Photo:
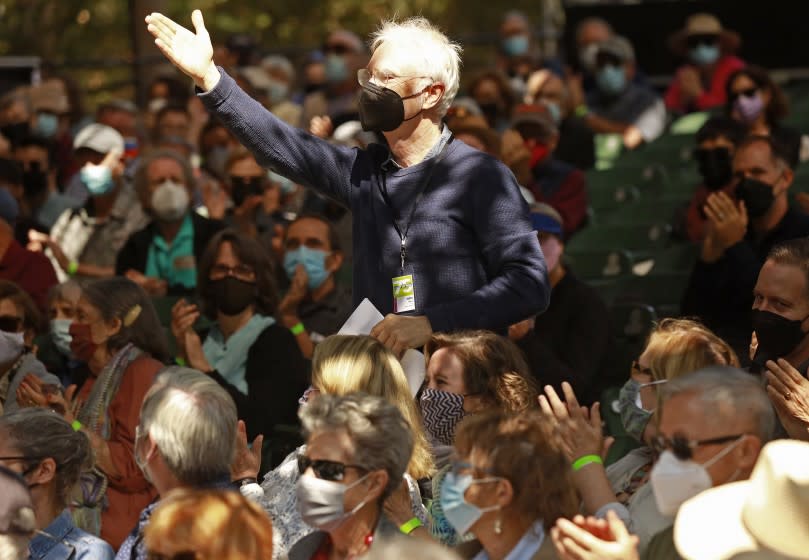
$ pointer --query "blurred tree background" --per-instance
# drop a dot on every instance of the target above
(101, 44)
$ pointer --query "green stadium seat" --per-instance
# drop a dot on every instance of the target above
(646, 237)
(599, 264)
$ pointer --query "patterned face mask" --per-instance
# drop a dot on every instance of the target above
(441, 411)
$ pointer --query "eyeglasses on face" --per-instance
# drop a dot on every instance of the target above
(683, 448)
(326, 470)
(365, 77)
(241, 271)
(702, 39)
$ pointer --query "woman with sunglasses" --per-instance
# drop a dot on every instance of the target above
(510, 481)
(19, 323)
(357, 450)
(755, 100)
(675, 347)
(50, 455)
(709, 54)
(245, 350)
(343, 365)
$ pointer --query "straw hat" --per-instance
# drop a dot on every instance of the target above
(764, 518)
(704, 24)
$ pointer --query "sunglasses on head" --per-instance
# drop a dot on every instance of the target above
(10, 324)
(749, 92)
(683, 448)
(705, 39)
(326, 470)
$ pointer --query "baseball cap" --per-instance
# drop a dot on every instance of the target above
(99, 138)
(619, 47)
(546, 219)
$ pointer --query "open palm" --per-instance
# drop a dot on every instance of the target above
(191, 52)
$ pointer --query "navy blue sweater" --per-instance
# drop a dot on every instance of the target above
(475, 259)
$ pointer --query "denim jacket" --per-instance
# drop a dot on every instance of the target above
(64, 541)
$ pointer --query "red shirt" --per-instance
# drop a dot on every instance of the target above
(31, 271)
(714, 96)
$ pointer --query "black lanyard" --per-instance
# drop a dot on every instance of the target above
(383, 190)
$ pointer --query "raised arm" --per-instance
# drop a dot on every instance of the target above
(292, 152)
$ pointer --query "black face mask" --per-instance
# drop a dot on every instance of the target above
(756, 195)
(16, 131)
(491, 111)
(242, 187)
(715, 167)
(232, 295)
(777, 336)
(382, 109)
(34, 182)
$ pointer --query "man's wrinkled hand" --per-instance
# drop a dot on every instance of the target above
(789, 392)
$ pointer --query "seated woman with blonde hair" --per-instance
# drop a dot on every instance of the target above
(675, 347)
(208, 525)
(342, 365)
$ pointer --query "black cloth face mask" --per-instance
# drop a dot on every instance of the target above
(756, 195)
(777, 336)
(232, 295)
(715, 166)
(382, 109)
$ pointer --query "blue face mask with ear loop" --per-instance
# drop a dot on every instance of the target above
(516, 45)
(46, 125)
(460, 513)
(611, 80)
(313, 261)
(704, 55)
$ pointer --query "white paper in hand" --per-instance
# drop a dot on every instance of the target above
(365, 317)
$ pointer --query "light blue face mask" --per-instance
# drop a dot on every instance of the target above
(286, 185)
(460, 513)
(60, 335)
(313, 261)
(46, 125)
(516, 45)
(97, 179)
(704, 55)
(277, 91)
(554, 111)
(611, 80)
(336, 69)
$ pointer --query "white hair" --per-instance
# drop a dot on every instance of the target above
(192, 420)
(437, 56)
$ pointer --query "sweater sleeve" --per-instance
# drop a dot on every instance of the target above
(276, 377)
(291, 152)
(124, 415)
(518, 281)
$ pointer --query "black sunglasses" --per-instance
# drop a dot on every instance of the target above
(749, 92)
(327, 470)
(705, 39)
(683, 448)
(10, 324)
(604, 58)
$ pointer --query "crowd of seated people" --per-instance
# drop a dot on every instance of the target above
(175, 382)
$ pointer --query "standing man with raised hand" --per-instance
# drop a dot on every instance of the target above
(442, 237)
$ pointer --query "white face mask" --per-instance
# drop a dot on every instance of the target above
(674, 481)
(170, 201)
(11, 346)
(321, 502)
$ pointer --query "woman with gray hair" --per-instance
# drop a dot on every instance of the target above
(117, 333)
(50, 455)
(357, 449)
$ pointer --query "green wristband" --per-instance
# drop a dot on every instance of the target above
(410, 526)
(72, 268)
(297, 329)
(76, 425)
(180, 361)
(582, 462)
(581, 111)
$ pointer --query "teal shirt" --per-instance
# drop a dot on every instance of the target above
(174, 263)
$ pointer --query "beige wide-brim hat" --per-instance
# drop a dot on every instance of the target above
(704, 24)
(764, 518)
